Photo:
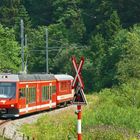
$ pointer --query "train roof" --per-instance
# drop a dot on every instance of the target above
(61, 77)
(26, 77)
(34, 77)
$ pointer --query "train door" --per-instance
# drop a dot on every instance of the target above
(48, 99)
(44, 96)
(53, 95)
(50, 95)
(22, 98)
(31, 100)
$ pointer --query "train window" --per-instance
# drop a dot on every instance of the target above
(7, 90)
(22, 92)
(32, 95)
(69, 85)
(63, 85)
(45, 93)
(53, 89)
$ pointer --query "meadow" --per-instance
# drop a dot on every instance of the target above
(112, 114)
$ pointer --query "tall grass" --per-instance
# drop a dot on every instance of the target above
(60, 126)
(108, 116)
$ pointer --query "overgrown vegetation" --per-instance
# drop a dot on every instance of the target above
(111, 115)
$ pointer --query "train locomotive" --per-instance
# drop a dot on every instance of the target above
(22, 94)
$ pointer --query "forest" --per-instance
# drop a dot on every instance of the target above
(105, 32)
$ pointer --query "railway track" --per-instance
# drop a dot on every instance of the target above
(2, 122)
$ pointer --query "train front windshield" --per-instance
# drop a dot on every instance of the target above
(7, 90)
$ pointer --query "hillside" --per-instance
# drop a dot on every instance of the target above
(105, 32)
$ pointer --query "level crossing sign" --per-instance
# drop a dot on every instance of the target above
(78, 72)
(79, 96)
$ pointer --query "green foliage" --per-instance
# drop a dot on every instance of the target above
(41, 12)
(101, 44)
(36, 50)
(110, 27)
(52, 127)
(111, 52)
(9, 51)
(128, 66)
(128, 94)
(128, 15)
(67, 13)
(11, 12)
(102, 119)
(8, 8)
(106, 133)
(110, 114)
(119, 107)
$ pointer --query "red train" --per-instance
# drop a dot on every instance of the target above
(26, 93)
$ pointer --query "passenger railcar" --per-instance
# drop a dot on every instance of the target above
(26, 93)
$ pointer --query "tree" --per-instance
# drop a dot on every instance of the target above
(110, 27)
(36, 50)
(11, 11)
(128, 67)
(41, 12)
(9, 51)
(37, 46)
(128, 15)
(68, 13)
(8, 10)
(104, 60)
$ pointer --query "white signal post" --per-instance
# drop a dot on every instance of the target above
(79, 117)
(78, 101)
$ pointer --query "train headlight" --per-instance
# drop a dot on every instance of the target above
(12, 105)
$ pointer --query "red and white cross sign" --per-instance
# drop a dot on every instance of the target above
(78, 72)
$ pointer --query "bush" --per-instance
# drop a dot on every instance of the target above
(117, 107)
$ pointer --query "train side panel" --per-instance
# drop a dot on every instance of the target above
(37, 96)
(65, 92)
(47, 95)
(27, 99)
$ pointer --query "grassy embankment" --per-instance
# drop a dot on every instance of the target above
(110, 115)
(1, 138)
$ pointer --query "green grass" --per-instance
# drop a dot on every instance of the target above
(54, 126)
(102, 119)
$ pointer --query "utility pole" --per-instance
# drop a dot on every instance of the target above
(26, 60)
(22, 42)
(47, 69)
(26, 41)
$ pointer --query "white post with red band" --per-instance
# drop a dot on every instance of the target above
(79, 117)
